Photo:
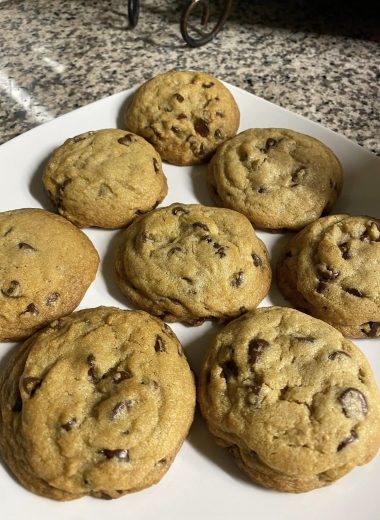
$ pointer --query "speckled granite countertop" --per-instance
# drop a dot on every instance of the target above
(320, 60)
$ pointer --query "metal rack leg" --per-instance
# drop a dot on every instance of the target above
(133, 12)
(204, 36)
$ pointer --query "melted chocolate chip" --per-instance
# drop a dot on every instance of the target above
(348, 440)
(120, 407)
(218, 134)
(338, 354)
(159, 345)
(219, 113)
(126, 140)
(200, 225)
(120, 375)
(26, 247)
(206, 238)
(270, 143)
(156, 165)
(30, 309)
(237, 279)
(201, 127)
(229, 369)
(52, 298)
(178, 210)
(179, 98)
(91, 360)
(119, 454)
(208, 85)
(256, 260)
(220, 251)
(255, 348)
(182, 116)
(371, 329)
(30, 384)
(321, 287)
(262, 189)
(353, 402)
(175, 129)
(69, 425)
(308, 339)
(13, 291)
(355, 292)
(328, 274)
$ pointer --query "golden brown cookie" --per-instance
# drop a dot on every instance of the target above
(184, 114)
(192, 262)
(46, 266)
(277, 178)
(331, 269)
(105, 178)
(295, 402)
(98, 403)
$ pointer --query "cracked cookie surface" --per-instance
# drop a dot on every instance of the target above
(98, 403)
(192, 262)
(184, 114)
(105, 178)
(295, 402)
(277, 177)
(332, 270)
(46, 266)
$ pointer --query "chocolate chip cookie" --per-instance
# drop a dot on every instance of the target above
(98, 403)
(184, 114)
(46, 266)
(105, 178)
(294, 401)
(192, 262)
(278, 178)
(331, 269)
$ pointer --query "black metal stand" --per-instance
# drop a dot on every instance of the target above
(204, 35)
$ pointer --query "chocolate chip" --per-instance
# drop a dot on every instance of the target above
(262, 189)
(69, 425)
(175, 129)
(328, 274)
(255, 348)
(119, 454)
(218, 134)
(237, 279)
(364, 237)
(353, 402)
(298, 175)
(30, 384)
(145, 237)
(52, 298)
(186, 279)
(8, 231)
(220, 252)
(30, 309)
(26, 247)
(13, 291)
(120, 407)
(64, 184)
(173, 250)
(159, 345)
(200, 225)
(206, 238)
(182, 116)
(355, 292)
(120, 375)
(371, 329)
(178, 210)
(126, 140)
(156, 165)
(348, 440)
(56, 324)
(201, 127)
(229, 369)
(179, 98)
(91, 360)
(270, 143)
(219, 113)
(161, 462)
(308, 339)
(321, 287)
(104, 495)
(208, 85)
(256, 260)
(338, 354)
(157, 134)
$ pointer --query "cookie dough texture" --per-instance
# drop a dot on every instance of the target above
(184, 114)
(98, 403)
(192, 262)
(277, 177)
(105, 178)
(46, 266)
(294, 401)
(331, 269)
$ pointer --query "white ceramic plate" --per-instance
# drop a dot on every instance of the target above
(203, 482)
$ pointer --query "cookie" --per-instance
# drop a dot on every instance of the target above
(46, 266)
(184, 114)
(98, 403)
(331, 269)
(191, 262)
(278, 178)
(105, 178)
(295, 402)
